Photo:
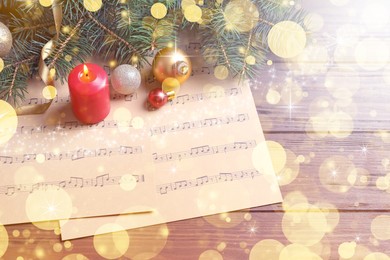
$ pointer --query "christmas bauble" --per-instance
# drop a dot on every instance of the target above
(125, 79)
(171, 63)
(5, 40)
(157, 98)
(171, 85)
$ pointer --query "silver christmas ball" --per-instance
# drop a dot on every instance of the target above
(125, 79)
(5, 40)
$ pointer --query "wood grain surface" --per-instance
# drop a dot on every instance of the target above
(332, 120)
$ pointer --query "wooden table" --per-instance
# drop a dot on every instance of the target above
(332, 119)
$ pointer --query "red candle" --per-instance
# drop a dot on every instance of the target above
(89, 93)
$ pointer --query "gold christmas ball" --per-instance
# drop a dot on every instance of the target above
(5, 40)
(171, 63)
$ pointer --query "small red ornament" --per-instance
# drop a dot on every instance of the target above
(157, 98)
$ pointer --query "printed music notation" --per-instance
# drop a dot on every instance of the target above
(71, 183)
(66, 99)
(208, 122)
(205, 180)
(150, 79)
(203, 150)
(72, 155)
(183, 99)
(71, 125)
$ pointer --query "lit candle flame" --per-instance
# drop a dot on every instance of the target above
(86, 71)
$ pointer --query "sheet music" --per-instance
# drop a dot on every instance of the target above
(188, 159)
(202, 149)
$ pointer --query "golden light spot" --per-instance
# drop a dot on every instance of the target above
(112, 63)
(57, 247)
(140, 249)
(93, 5)
(8, 122)
(47, 225)
(68, 58)
(293, 198)
(243, 245)
(334, 172)
(269, 62)
(46, 3)
(123, 117)
(297, 251)
(40, 158)
(377, 256)
(250, 60)
(273, 96)
(221, 72)
(266, 249)
(137, 122)
(68, 244)
(382, 183)
(287, 39)
(186, 3)
(347, 249)
(240, 15)
(52, 203)
(158, 10)
(111, 245)
(128, 182)
(248, 216)
(331, 213)
(20, 258)
(290, 171)
(16, 233)
(362, 177)
(26, 233)
(304, 224)
(210, 255)
(277, 153)
(75, 257)
(3, 240)
(1, 64)
(221, 246)
(193, 13)
(380, 227)
(372, 54)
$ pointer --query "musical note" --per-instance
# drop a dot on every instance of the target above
(6, 159)
(203, 150)
(67, 126)
(183, 99)
(207, 122)
(71, 183)
(128, 98)
(73, 155)
(163, 189)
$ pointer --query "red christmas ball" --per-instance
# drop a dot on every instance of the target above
(157, 98)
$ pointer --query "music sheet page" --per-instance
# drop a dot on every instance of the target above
(203, 153)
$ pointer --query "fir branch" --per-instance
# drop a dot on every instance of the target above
(18, 63)
(113, 34)
(13, 81)
(245, 66)
(65, 43)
